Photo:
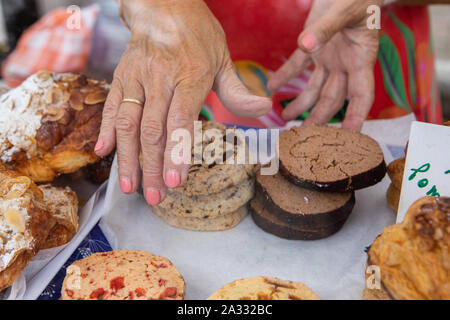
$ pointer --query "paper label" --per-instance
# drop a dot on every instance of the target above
(427, 167)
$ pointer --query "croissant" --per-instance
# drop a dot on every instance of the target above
(31, 218)
(62, 204)
(50, 124)
(24, 224)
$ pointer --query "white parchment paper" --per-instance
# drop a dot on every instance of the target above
(332, 267)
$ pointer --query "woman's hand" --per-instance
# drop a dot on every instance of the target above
(177, 54)
(344, 50)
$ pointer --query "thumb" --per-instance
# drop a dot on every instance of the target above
(318, 33)
(235, 96)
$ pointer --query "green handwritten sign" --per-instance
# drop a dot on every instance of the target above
(424, 182)
(427, 171)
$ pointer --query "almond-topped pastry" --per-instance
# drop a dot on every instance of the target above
(50, 123)
(62, 203)
(24, 224)
(414, 256)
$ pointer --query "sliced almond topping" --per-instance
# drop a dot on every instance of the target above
(76, 100)
(9, 104)
(15, 220)
(27, 100)
(14, 187)
(60, 112)
(51, 110)
(48, 97)
(72, 77)
(58, 96)
(4, 98)
(44, 75)
(95, 97)
(65, 97)
(33, 140)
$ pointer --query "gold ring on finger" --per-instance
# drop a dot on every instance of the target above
(135, 101)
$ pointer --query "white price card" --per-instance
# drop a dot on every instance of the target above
(427, 167)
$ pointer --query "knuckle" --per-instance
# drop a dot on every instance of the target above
(109, 111)
(152, 133)
(124, 162)
(179, 118)
(107, 119)
(125, 124)
(153, 172)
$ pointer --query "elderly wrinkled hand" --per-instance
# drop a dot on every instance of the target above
(177, 54)
(344, 50)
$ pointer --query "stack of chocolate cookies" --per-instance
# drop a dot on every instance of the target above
(215, 195)
(313, 194)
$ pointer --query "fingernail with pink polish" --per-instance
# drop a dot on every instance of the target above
(98, 146)
(309, 41)
(173, 179)
(125, 185)
(152, 196)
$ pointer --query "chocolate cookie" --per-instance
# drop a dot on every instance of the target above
(330, 159)
(296, 206)
(271, 223)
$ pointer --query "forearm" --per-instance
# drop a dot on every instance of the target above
(138, 15)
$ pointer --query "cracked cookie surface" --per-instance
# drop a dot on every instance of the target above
(330, 159)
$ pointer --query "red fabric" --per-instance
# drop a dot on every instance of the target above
(264, 31)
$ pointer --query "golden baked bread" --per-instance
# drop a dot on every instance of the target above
(395, 171)
(393, 196)
(24, 224)
(414, 256)
(264, 288)
(49, 124)
(62, 203)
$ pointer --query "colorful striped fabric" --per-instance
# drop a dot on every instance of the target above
(261, 35)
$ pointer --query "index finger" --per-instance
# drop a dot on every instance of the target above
(295, 65)
(184, 110)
